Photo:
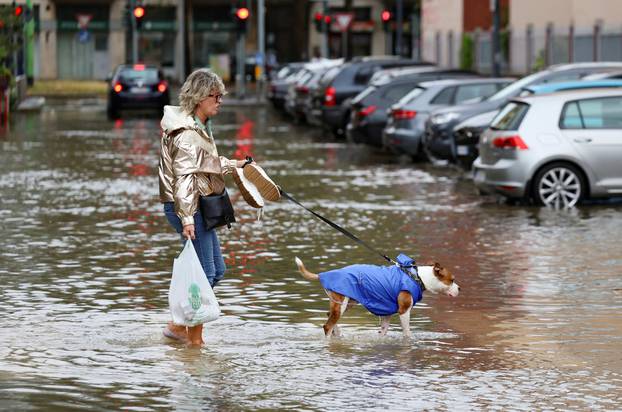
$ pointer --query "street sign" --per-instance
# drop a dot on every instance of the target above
(343, 20)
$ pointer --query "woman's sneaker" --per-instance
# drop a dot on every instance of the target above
(266, 187)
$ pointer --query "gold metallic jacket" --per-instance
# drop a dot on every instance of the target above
(189, 164)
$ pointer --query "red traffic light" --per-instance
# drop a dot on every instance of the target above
(318, 16)
(385, 16)
(19, 10)
(327, 19)
(242, 13)
(139, 12)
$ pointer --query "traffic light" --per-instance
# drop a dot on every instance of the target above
(317, 19)
(18, 11)
(241, 15)
(139, 15)
(386, 17)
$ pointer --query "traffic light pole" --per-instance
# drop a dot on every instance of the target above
(261, 29)
(240, 77)
(134, 33)
(324, 29)
(399, 17)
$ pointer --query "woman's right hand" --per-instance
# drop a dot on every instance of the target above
(188, 232)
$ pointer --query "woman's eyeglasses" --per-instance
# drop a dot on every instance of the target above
(217, 97)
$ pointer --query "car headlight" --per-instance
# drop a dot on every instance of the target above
(444, 117)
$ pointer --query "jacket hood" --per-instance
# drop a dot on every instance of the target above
(175, 118)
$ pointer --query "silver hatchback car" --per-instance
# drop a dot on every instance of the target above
(555, 149)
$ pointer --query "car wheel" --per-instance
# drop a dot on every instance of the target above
(559, 185)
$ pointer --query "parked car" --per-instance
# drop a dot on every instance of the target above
(298, 92)
(331, 101)
(369, 108)
(279, 84)
(406, 118)
(136, 86)
(437, 138)
(556, 149)
(465, 135)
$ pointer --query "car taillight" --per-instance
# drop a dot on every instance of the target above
(117, 87)
(302, 89)
(509, 142)
(162, 87)
(366, 111)
(330, 97)
(400, 114)
(139, 67)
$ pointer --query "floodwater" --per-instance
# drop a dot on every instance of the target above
(86, 257)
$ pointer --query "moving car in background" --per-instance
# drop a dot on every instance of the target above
(466, 135)
(136, 86)
(406, 118)
(556, 149)
(331, 101)
(437, 139)
(369, 108)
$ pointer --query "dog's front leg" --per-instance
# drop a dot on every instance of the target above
(384, 325)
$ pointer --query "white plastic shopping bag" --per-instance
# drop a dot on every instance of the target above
(190, 297)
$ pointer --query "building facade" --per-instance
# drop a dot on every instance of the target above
(80, 39)
(534, 33)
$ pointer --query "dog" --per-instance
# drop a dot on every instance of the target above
(383, 290)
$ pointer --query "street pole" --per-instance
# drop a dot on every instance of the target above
(240, 77)
(324, 29)
(134, 33)
(181, 41)
(261, 34)
(29, 43)
(399, 17)
(496, 41)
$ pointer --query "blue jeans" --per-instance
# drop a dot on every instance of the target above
(205, 243)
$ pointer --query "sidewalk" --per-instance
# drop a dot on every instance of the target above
(68, 88)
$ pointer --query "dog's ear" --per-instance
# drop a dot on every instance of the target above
(437, 268)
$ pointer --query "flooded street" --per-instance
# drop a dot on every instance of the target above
(86, 257)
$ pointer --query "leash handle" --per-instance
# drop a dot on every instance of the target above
(334, 225)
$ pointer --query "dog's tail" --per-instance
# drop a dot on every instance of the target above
(305, 273)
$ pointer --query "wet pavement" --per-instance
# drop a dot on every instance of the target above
(86, 254)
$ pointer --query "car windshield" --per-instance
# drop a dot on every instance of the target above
(514, 88)
(145, 74)
(510, 116)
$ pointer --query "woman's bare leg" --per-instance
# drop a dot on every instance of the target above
(195, 335)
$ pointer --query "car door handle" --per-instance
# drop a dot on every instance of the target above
(582, 140)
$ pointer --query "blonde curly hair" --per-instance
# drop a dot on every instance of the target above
(199, 84)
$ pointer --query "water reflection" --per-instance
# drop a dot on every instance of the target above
(85, 262)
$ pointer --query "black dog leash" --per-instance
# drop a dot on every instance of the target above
(335, 226)
(406, 269)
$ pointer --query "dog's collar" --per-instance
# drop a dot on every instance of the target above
(413, 273)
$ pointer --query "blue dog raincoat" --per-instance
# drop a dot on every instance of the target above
(375, 287)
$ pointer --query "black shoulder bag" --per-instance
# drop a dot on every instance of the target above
(216, 210)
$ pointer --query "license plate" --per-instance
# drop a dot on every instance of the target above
(139, 90)
(462, 150)
(478, 176)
